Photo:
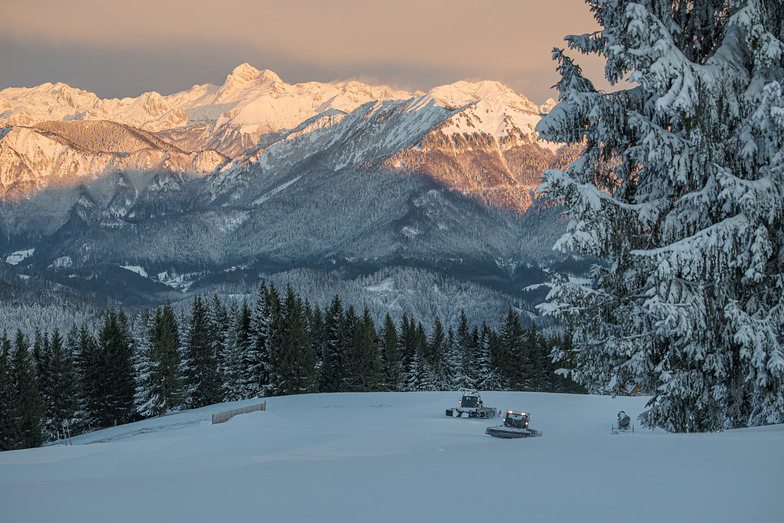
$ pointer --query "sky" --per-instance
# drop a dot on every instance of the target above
(120, 48)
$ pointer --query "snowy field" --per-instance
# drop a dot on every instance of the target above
(396, 457)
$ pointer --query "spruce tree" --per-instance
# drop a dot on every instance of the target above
(364, 370)
(73, 348)
(26, 413)
(143, 366)
(511, 339)
(678, 192)
(332, 360)
(466, 350)
(114, 403)
(407, 348)
(202, 381)
(232, 356)
(436, 354)
(393, 369)
(292, 368)
(256, 355)
(63, 407)
(218, 326)
(91, 377)
(488, 377)
(317, 330)
(453, 361)
(5, 393)
(168, 377)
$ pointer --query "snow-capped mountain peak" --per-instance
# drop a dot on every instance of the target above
(246, 75)
(462, 93)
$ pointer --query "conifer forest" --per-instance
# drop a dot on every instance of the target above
(152, 362)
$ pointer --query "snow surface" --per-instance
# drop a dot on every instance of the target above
(397, 457)
(15, 258)
(137, 269)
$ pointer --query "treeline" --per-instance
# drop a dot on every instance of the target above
(155, 363)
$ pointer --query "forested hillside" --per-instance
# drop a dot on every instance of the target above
(148, 363)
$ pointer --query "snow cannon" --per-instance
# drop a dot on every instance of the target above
(515, 426)
(471, 405)
(623, 424)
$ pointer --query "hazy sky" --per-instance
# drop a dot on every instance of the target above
(117, 48)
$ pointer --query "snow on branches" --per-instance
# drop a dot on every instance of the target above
(680, 193)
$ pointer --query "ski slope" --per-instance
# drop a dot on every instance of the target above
(395, 457)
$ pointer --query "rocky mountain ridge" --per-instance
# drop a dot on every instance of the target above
(258, 175)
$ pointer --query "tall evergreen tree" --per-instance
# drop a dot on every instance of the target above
(332, 360)
(6, 440)
(166, 347)
(363, 369)
(114, 403)
(391, 357)
(91, 376)
(62, 411)
(466, 349)
(73, 348)
(488, 376)
(42, 361)
(256, 354)
(437, 352)
(412, 341)
(511, 340)
(245, 338)
(26, 415)
(679, 190)
(317, 330)
(143, 365)
(454, 361)
(202, 381)
(297, 347)
(218, 326)
(232, 356)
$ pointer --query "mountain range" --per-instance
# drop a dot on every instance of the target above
(232, 183)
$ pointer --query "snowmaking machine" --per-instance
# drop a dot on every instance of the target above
(515, 426)
(471, 405)
(623, 424)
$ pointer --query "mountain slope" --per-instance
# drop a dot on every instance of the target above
(267, 176)
(391, 457)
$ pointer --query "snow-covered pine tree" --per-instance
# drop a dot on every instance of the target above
(64, 392)
(511, 341)
(680, 192)
(488, 377)
(332, 360)
(453, 361)
(362, 363)
(436, 351)
(218, 326)
(165, 384)
(5, 392)
(202, 382)
(466, 351)
(88, 372)
(231, 357)
(114, 402)
(256, 353)
(27, 411)
(318, 335)
(292, 362)
(393, 367)
(414, 374)
(143, 366)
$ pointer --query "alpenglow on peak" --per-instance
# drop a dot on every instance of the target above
(246, 74)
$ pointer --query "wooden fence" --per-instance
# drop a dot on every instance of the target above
(225, 416)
